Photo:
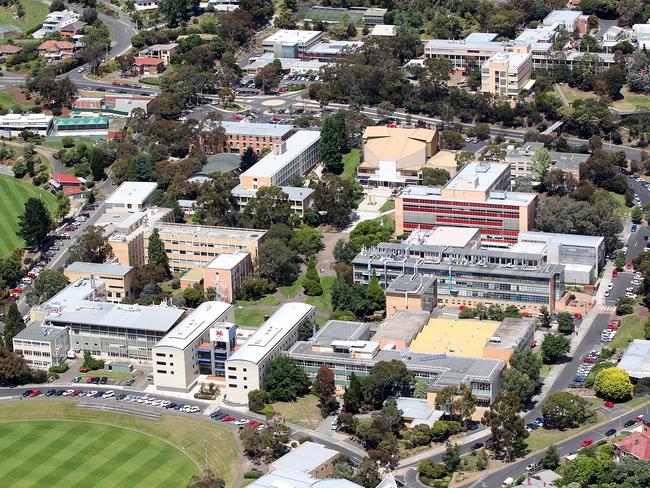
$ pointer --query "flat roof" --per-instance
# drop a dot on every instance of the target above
(155, 318)
(511, 333)
(564, 16)
(444, 236)
(333, 47)
(132, 192)
(481, 36)
(565, 239)
(636, 359)
(195, 324)
(292, 36)
(103, 268)
(454, 336)
(306, 457)
(415, 285)
(498, 198)
(403, 325)
(334, 330)
(76, 291)
(227, 261)
(384, 30)
(273, 163)
(271, 332)
(229, 233)
(220, 163)
(289, 478)
(481, 176)
(36, 331)
(299, 193)
(256, 129)
(513, 60)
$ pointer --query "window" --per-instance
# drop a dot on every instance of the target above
(161, 371)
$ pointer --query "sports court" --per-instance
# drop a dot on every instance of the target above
(453, 336)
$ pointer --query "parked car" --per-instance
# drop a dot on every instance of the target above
(629, 423)
(90, 379)
(586, 443)
(230, 418)
(610, 432)
(103, 380)
(478, 445)
(608, 404)
(26, 393)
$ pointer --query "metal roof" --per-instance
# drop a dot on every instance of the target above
(132, 192)
(636, 359)
(298, 193)
(347, 330)
(271, 332)
(220, 163)
(201, 319)
(78, 121)
(37, 332)
(306, 457)
(256, 129)
(103, 268)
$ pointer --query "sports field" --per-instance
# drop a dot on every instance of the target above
(53, 443)
(13, 195)
(454, 336)
(35, 12)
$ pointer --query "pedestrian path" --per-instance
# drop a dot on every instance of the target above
(607, 309)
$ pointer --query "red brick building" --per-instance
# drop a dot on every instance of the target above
(636, 445)
(148, 66)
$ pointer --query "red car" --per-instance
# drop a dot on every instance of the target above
(614, 273)
(35, 393)
(578, 316)
(526, 314)
(612, 326)
(77, 392)
(639, 418)
(16, 290)
(628, 265)
(587, 443)
(616, 322)
(229, 418)
(589, 360)
(283, 89)
(533, 343)
(90, 379)
(608, 404)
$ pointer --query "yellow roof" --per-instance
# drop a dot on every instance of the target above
(443, 159)
(455, 337)
(396, 144)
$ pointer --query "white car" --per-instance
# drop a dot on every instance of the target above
(606, 293)
(185, 408)
(610, 286)
(631, 295)
(629, 289)
(89, 393)
(67, 392)
(636, 282)
(108, 394)
(530, 467)
(194, 409)
(241, 422)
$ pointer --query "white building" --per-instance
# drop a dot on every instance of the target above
(291, 43)
(41, 346)
(290, 158)
(176, 357)
(54, 22)
(300, 198)
(507, 74)
(130, 197)
(641, 34)
(246, 367)
(220, 5)
(11, 125)
(562, 19)
(614, 35)
(144, 5)
(636, 359)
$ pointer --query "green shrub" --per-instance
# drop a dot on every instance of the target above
(252, 475)
(62, 368)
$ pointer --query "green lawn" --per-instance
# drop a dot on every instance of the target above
(266, 300)
(324, 301)
(57, 145)
(304, 411)
(292, 290)
(55, 444)
(249, 317)
(8, 102)
(631, 328)
(632, 101)
(350, 162)
(572, 94)
(35, 13)
(543, 438)
(13, 195)
(388, 205)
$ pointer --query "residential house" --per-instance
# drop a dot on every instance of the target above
(56, 50)
(148, 66)
(8, 50)
(637, 445)
(74, 30)
(164, 52)
(54, 22)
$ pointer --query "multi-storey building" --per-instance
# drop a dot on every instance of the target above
(42, 346)
(291, 43)
(507, 74)
(288, 159)
(246, 367)
(226, 273)
(200, 344)
(54, 22)
(465, 276)
(164, 52)
(338, 346)
(476, 197)
(130, 197)
(259, 137)
(117, 278)
(11, 125)
(300, 198)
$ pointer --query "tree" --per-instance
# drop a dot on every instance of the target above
(285, 380)
(566, 323)
(325, 390)
(157, 254)
(545, 319)
(495, 312)
(209, 480)
(307, 241)
(519, 384)
(646, 330)
(375, 294)
(434, 176)
(344, 251)
(613, 384)
(368, 474)
(14, 323)
(268, 78)
(177, 10)
(269, 206)
(563, 410)
(193, 297)
(507, 427)
(551, 459)
(619, 261)
(451, 458)
(257, 400)
(637, 215)
(311, 283)
(248, 159)
(368, 234)
(260, 10)
(353, 396)
(420, 390)
(466, 404)
(34, 223)
(14, 370)
(513, 312)
(305, 331)
(92, 246)
(62, 205)
(527, 362)
(49, 283)
(92, 363)
(554, 347)
(386, 379)
(429, 469)
(267, 444)
(334, 199)
(612, 81)
(277, 262)
(540, 163)
(452, 140)
(333, 142)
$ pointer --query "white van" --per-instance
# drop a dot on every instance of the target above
(507, 482)
(71, 354)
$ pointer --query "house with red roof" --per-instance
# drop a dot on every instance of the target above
(63, 181)
(148, 65)
(8, 50)
(636, 445)
(56, 50)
